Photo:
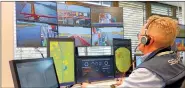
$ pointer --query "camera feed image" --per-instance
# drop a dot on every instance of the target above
(34, 34)
(181, 31)
(73, 15)
(82, 35)
(37, 11)
(107, 16)
(104, 36)
(180, 42)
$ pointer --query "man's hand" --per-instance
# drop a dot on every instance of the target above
(84, 85)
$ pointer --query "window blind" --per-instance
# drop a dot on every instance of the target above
(133, 19)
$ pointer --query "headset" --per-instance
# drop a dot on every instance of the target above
(145, 39)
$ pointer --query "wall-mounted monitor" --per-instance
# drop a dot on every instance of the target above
(45, 12)
(107, 16)
(73, 15)
(94, 68)
(122, 56)
(181, 31)
(34, 73)
(180, 42)
(103, 36)
(33, 34)
(82, 35)
(62, 50)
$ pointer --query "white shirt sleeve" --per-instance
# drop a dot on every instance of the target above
(141, 78)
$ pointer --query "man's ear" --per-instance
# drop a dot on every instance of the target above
(151, 40)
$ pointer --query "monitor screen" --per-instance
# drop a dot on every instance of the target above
(138, 60)
(107, 16)
(31, 34)
(182, 31)
(104, 36)
(62, 51)
(36, 11)
(35, 73)
(94, 68)
(73, 15)
(82, 35)
(180, 42)
(122, 56)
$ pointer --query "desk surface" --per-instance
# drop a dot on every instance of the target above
(104, 84)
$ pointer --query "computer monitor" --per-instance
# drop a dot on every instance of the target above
(34, 73)
(82, 35)
(37, 11)
(138, 59)
(122, 56)
(73, 15)
(103, 36)
(180, 42)
(107, 16)
(94, 68)
(63, 52)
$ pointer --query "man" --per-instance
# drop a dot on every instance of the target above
(161, 68)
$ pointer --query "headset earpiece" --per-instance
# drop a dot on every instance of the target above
(145, 40)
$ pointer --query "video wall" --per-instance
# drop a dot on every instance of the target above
(37, 21)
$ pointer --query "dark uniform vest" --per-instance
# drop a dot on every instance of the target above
(166, 64)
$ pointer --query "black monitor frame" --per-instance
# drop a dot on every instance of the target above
(122, 45)
(14, 71)
(135, 55)
(48, 55)
(94, 57)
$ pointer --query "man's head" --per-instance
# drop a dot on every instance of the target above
(162, 32)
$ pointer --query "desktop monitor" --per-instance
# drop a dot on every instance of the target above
(34, 34)
(34, 73)
(73, 15)
(138, 59)
(63, 52)
(82, 35)
(180, 42)
(103, 36)
(94, 68)
(122, 56)
(107, 17)
(35, 11)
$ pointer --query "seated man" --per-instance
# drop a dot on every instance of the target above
(161, 66)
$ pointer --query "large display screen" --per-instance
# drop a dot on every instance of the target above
(82, 35)
(107, 16)
(181, 31)
(45, 12)
(92, 68)
(30, 34)
(180, 42)
(62, 51)
(103, 36)
(122, 56)
(34, 73)
(73, 15)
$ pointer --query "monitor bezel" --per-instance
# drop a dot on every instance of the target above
(48, 55)
(14, 71)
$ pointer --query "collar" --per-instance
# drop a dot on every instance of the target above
(145, 56)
